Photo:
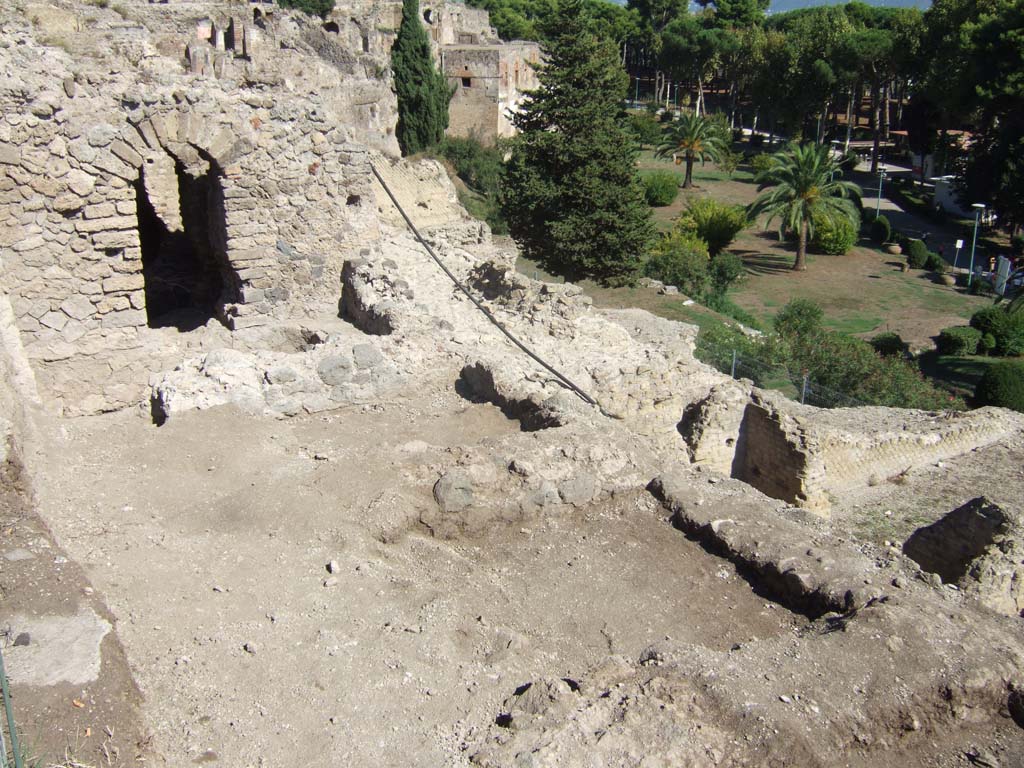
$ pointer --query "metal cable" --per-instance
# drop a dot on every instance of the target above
(487, 313)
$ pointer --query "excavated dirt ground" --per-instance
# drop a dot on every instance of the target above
(213, 532)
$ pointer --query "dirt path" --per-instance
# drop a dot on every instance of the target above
(210, 537)
(73, 693)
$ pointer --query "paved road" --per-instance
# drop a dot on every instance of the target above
(913, 225)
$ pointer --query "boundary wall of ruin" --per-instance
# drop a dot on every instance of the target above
(808, 455)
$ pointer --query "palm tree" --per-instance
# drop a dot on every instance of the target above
(803, 186)
(695, 138)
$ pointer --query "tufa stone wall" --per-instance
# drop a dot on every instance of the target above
(104, 184)
(804, 455)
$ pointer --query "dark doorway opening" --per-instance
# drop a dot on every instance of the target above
(184, 266)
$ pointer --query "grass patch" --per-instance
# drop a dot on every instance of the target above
(669, 307)
(959, 374)
(851, 325)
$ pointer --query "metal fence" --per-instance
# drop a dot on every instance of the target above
(796, 385)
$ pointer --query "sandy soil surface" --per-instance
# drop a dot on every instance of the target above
(211, 538)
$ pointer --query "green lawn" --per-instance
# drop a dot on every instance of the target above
(669, 307)
(862, 293)
(960, 374)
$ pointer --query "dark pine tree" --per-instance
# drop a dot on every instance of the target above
(572, 196)
(423, 92)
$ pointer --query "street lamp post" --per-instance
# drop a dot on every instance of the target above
(878, 203)
(978, 208)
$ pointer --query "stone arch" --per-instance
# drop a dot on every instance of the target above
(183, 168)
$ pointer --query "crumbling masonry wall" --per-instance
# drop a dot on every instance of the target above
(292, 195)
(805, 455)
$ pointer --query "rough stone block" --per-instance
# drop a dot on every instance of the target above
(124, 283)
(55, 320)
(114, 240)
(77, 307)
(67, 203)
(80, 182)
(9, 154)
(100, 211)
(124, 319)
(107, 224)
(124, 152)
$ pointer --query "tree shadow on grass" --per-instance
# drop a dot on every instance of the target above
(766, 263)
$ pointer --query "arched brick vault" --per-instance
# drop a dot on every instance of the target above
(296, 195)
(192, 142)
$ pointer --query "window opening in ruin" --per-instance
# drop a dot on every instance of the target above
(332, 26)
(467, 82)
(182, 232)
(229, 36)
(353, 200)
(366, 44)
(428, 16)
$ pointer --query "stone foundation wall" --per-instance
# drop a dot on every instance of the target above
(805, 455)
(288, 196)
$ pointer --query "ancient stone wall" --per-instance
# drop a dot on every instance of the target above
(103, 187)
(806, 455)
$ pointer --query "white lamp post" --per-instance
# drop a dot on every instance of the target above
(978, 208)
(878, 203)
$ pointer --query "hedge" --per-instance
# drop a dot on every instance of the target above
(661, 188)
(881, 230)
(834, 236)
(1005, 328)
(958, 340)
(889, 344)
(1003, 385)
(917, 254)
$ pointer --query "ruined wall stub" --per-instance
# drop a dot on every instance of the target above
(808, 455)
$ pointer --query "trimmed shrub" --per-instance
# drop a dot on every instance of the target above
(756, 140)
(834, 236)
(761, 163)
(1003, 385)
(935, 263)
(680, 259)
(716, 223)
(1006, 329)
(958, 340)
(645, 127)
(881, 230)
(799, 319)
(660, 188)
(917, 254)
(724, 270)
(889, 344)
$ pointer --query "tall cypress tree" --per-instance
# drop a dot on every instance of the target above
(571, 195)
(423, 92)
